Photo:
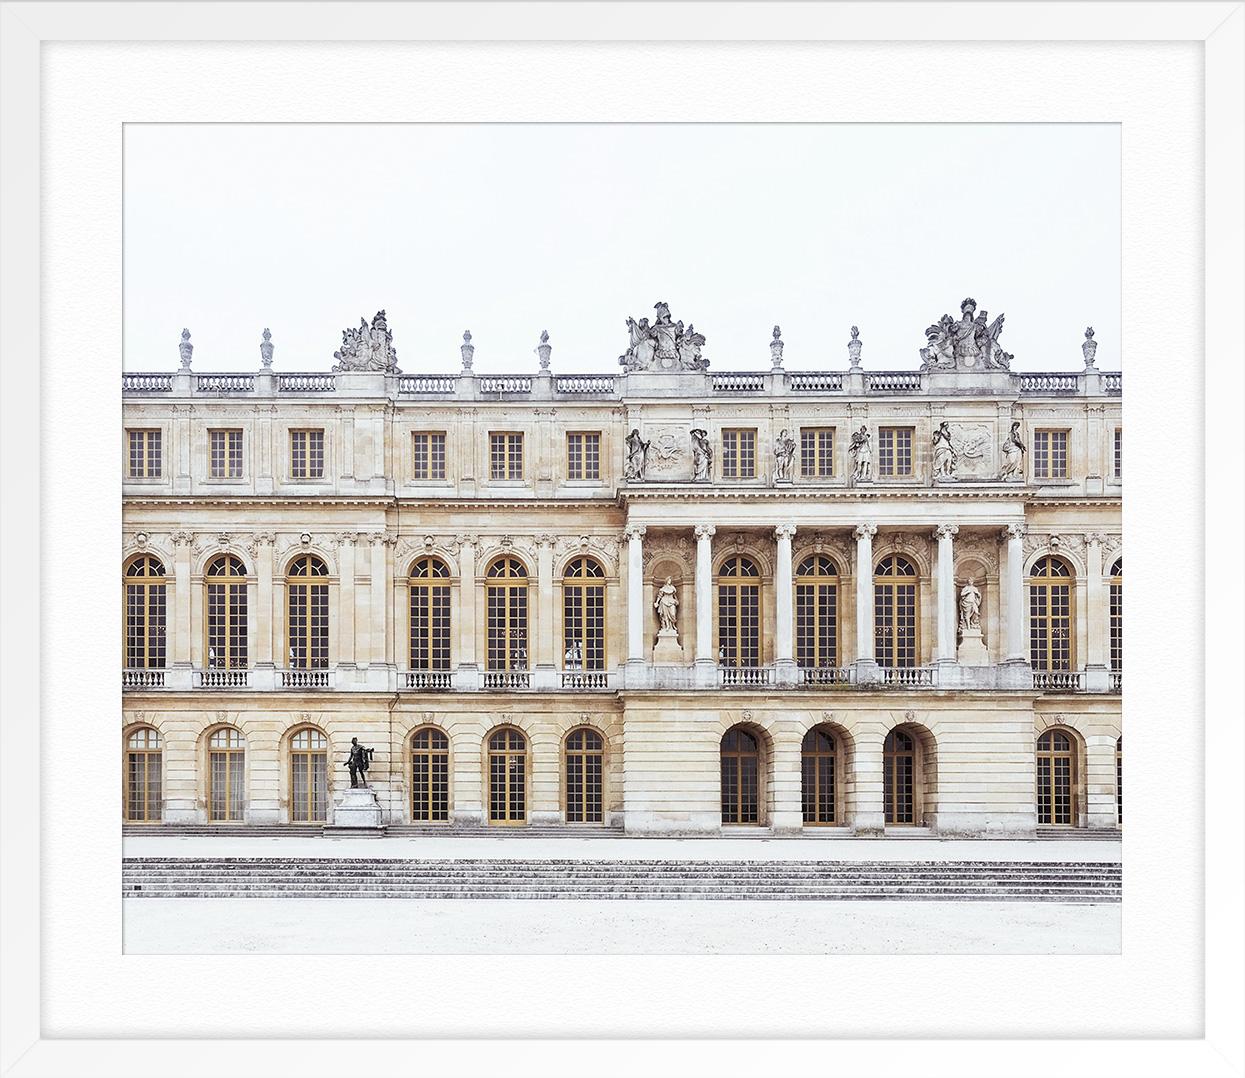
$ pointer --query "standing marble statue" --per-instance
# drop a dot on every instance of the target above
(702, 456)
(970, 606)
(784, 456)
(1013, 451)
(945, 456)
(862, 456)
(637, 455)
(667, 606)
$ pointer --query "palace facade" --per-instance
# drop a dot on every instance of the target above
(665, 599)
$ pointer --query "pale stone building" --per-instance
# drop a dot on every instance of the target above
(666, 599)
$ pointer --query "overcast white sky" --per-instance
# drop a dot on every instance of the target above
(509, 229)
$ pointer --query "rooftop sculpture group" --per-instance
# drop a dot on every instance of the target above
(969, 344)
(663, 346)
(368, 348)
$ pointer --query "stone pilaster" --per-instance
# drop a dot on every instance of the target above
(346, 601)
(866, 662)
(467, 663)
(784, 628)
(544, 674)
(1096, 616)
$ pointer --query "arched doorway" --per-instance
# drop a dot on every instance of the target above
(507, 777)
(741, 777)
(309, 776)
(899, 787)
(226, 775)
(1056, 779)
(819, 758)
(583, 774)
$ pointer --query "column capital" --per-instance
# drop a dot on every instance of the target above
(865, 531)
(467, 540)
(1095, 537)
(634, 531)
(1013, 531)
(784, 531)
(545, 540)
(705, 531)
(946, 531)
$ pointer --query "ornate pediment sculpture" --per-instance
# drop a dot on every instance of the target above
(969, 344)
(663, 346)
(368, 348)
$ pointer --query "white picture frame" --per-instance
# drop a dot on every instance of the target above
(74, 73)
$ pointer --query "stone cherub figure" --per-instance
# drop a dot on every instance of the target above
(667, 606)
(359, 760)
(970, 606)
(702, 456)
(637, 455)
(945, 456)
(1013, 451)
(862, 455)
(784, 456)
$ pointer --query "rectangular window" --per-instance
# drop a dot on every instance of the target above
(1119, 453)
(429, 454)
(307, 454)
(739, 454)
(506, 455)
(225, 454)
(145, 446)
(1050, 454)
(817, 452)
(895, 450)
(583, 455)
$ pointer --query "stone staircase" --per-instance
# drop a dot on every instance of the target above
(316, 877)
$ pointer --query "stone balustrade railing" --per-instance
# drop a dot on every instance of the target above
(507, 679)
(584, 680)
(1050, 384)
(825, 675)
(225, 383)
(427, 679)
(1059, 680)
(146, 383)
(222, 679)
(893, 381)
(505, 384)
(142, 679)
(425, 384)
(815, 381)
(1113, 382)
(752, 382)
(306, 383)
(304, 679)
(746, 677)
(908, 677)
(577, 384)
(1115, 680)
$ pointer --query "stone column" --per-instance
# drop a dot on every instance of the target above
(944, 590)
(378, 675)
(635, 593)
(180, 627)
(467, 666)
(1096, 616)
(346, 601)
(544, 673)
(264, 670)
(866, 662)
(706, 661)
(1014, 595)
(784, 652)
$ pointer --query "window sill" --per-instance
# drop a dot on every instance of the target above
(225, 481)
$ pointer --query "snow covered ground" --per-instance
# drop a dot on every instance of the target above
(483, 926)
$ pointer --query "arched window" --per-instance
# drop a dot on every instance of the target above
(309, 777)
(583, 615)
(307, 613)
(143, 768)
(226, 613)
(1119, 780)
(817, 612)
(818, 758)
(430, 775)
(430, 615)
(739, 613)
(585, 768)
(1115, 585)
(507, 777)
(895, 612)
(741, 781)
(899, 777)
(506, 601)
(1056, 778)
(226, 775)
(1050, 614)
(145, 614)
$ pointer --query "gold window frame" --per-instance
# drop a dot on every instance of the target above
(1054, 747)
(430, 612)
(311, 451)
(505, 456)
(145, 604)
(902, 760)
(893, 575)
(587, 445)
(739, 452)
(1052, 614)
(508, 744)
(825, 764)
(817, 452)
(231, 608)
(585, 614)
(145, 447)
(435, 460)
(307, 580)
(435, 751)
(577, 746)
(1050, 452)
(146, 745)
(817, 579)
(895, 452)
(226, 746)
(507, 594)
(225, 459)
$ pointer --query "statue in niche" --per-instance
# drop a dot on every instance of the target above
(1013, 452)
(637, 455)
(784, 456)
(702, 456)
(667, 606)
(970, 606)
(945, 456)
(862, 456)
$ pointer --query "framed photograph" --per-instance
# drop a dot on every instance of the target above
(590, 476)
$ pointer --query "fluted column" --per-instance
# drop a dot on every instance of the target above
(635, 592)
(944, 589)
(1014, 594)
(866, 662)
(704, 595)
(784, 652)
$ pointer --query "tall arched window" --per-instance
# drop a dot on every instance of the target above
(1119, 780)
(1056, 778)
(817, 612)
(1050, 614)
(583, 615)
(895, 612)
(1115, 585)
(430, 614)
(585, 770)
(309, 776)
(739, 613)
(741, 777)
(307, 613)
(226, 775)
(899, 777)
(143, 767)
(430, 775)
(507, 777)
(506, 602)
(226, 613)
(145, 614)
(818, 758)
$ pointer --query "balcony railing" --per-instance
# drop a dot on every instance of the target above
(825, 675)
(305, 679)
(504, 384)
(584, 680)
(223, 679)
(1113, 382)
(146, 383)
(908, 677)
(426, 383)
(894, 381)
(1050, 383)
(507, 679)
(1059, 680)
(745, 677)
(306, 383)
(1115, 681)
(752, 382)
(817, 382)
(142, 679)
(584, 383)
(225, 383)
(428, 680)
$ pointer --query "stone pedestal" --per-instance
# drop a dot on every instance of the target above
(356, 809)
(972, 650)
(668, 651)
